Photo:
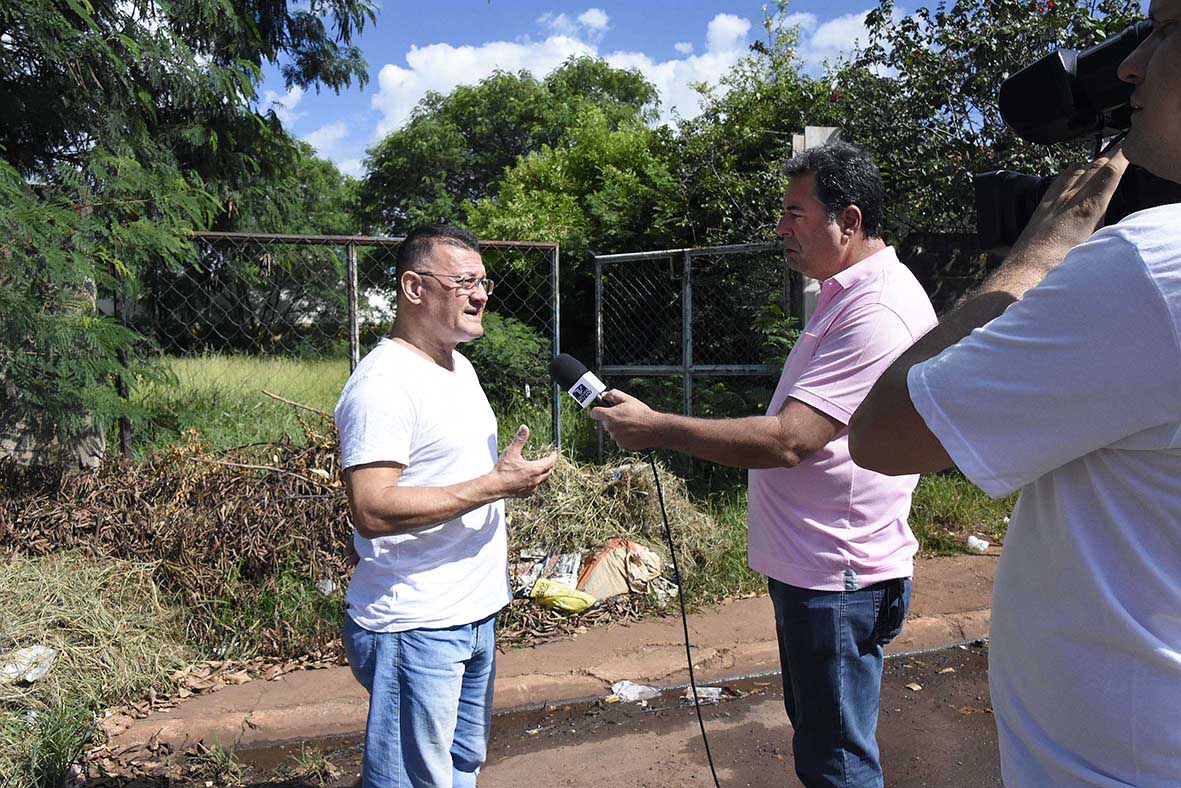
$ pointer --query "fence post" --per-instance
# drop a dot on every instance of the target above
(795, 290)
(599, 340)
(687, 331)
(555, 339)
(354, 318)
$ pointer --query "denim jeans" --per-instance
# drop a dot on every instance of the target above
(430, 702)
(830, 649)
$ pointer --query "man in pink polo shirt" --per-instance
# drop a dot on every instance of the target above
(831, 537)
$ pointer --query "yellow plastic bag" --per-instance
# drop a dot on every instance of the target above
(563, 597)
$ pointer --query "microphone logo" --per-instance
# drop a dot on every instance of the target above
(572, 375)
(587, 389)
(582, 393)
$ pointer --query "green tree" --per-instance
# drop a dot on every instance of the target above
(728, 160)
(923, 96)
(127, 125)
(271, 287)
(455, 149)
(294, 191)
(600, 190)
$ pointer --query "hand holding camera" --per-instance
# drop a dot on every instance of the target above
(1067, 95)
(1073, 209)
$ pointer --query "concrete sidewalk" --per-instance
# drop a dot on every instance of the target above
(952, 596)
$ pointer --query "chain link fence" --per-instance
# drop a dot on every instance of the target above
(698, 331)
(252, 315)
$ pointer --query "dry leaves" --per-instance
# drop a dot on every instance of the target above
(223, 527)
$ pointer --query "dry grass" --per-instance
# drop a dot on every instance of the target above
(583, 506)
(114, 637)
(238, 538)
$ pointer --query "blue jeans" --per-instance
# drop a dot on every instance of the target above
(830, 649)
(430, 702)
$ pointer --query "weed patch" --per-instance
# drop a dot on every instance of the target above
(114, 637)
(947, 508)
(217, 765)
(581, 507)
(240, 539)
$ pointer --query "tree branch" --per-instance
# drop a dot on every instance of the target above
(295, 404)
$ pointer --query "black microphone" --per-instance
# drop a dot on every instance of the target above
(572, 375)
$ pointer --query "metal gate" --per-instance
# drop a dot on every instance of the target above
(693, 314)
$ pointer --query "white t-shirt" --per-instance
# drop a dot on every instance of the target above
(1073, 396)
(401, 407)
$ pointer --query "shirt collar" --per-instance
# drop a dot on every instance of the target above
(860, 271)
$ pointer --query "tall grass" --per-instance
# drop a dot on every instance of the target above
(948, 508)
(221, 398)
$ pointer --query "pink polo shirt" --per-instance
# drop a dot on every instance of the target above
(828, 524)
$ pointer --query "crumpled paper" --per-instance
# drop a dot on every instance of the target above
(27, 665)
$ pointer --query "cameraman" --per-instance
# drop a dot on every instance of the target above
(1062, 378)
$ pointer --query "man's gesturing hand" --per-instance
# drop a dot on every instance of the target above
(631, 423)
(516, 477)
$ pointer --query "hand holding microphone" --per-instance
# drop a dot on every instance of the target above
(631, 423)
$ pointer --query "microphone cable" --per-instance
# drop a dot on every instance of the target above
(572, 375)
(672, 550)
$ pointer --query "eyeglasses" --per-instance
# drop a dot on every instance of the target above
(463, 282)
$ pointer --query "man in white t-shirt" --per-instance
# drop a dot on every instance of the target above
(425, 487)
(1062, 379)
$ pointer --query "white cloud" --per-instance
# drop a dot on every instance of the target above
(354, 167)
(834, 38)
(726, 32)
(559, 24)
(803, 20)
(441, 67)
(726, 43)
(337, 143)
(326, 138)
(684, 47)
(594, 19)
(284, 104)
(590, 25)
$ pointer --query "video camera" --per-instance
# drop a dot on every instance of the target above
(1065, 96)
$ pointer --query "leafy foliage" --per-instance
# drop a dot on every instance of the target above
(727, 161)
(127, 125)
(923, 96)
(508, 358)
(600, 190)
(56, 356)
(455, 149)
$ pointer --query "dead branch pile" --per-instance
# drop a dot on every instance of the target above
(225, 531)
(240, 537)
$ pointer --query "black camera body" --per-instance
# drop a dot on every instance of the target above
(1065, 96)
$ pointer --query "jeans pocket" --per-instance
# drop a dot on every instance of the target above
(359, 646)
(893, 609)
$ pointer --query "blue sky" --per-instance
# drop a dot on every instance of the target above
(438, 44)
(420, 46)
